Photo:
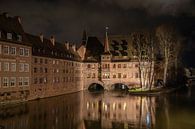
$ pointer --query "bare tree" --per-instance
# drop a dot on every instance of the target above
(144, 47)
(169, 45)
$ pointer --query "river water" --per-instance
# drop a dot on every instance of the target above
(108, 110)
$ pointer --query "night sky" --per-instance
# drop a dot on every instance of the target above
(66, 19)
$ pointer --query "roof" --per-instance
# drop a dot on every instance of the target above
(47, 49)
(12, 25)
(94, 49)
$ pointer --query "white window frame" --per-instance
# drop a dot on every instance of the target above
(14, 50)
(26, 67)
(7, 48)
(9, 36)
(12, 81)
(13, 67)
(19, 38)
(26, 80)
(26, 52)
(21, 67)
(5, 81)
(20, 81)
(21, 51)
(6, 66)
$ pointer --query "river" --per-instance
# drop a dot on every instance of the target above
(108, 110)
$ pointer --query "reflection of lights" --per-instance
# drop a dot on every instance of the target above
(106, 107)
(124, 106)
(114, 106)
(87, 105)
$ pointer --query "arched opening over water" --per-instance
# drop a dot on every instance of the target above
(95, 87)
(119, 86)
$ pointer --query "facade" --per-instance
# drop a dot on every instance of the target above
(15, 60)
(114, 63)
(33, 67)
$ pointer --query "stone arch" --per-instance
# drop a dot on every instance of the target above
(119, 86)
(96, 87)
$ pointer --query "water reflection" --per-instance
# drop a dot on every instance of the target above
(108, 110)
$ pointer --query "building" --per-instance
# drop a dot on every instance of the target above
(33, 67)
(113, 64)
(15, 60)
(56, 67)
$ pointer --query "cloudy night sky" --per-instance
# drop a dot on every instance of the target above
(66, 19)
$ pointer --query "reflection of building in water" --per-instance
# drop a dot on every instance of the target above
(111, 112)
(63, 112)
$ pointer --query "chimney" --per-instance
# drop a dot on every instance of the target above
(74, 47)
(67, 44)
(52, 39)
(5, 14)
(41, 37)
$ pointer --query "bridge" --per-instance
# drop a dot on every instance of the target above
(108, 85)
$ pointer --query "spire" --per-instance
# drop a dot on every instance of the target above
(84, 39)
(106, 42)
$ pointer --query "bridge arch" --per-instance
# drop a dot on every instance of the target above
(96, 87)
(119, 86)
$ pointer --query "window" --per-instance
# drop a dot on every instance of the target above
(26, 81)
(5, 81)
(46, 70)
(6, 50)
(13, 67)
(124, 65)
(35, 70)
(114, 76)
(26, 67)
(125, 76)
(119, 75)
(88, 66)
(13, 81)
(21, 52)
(6, 66)
(13, 50)
(46, 61)
(9, 36)
(26, 52)
(119, 65)
(35, 60)
(35, 80)
(114, 65)
(21, 67)
(19, 38)
(41, 61)
(20, 81)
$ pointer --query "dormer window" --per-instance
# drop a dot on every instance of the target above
(9, 36)
(19, 38)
